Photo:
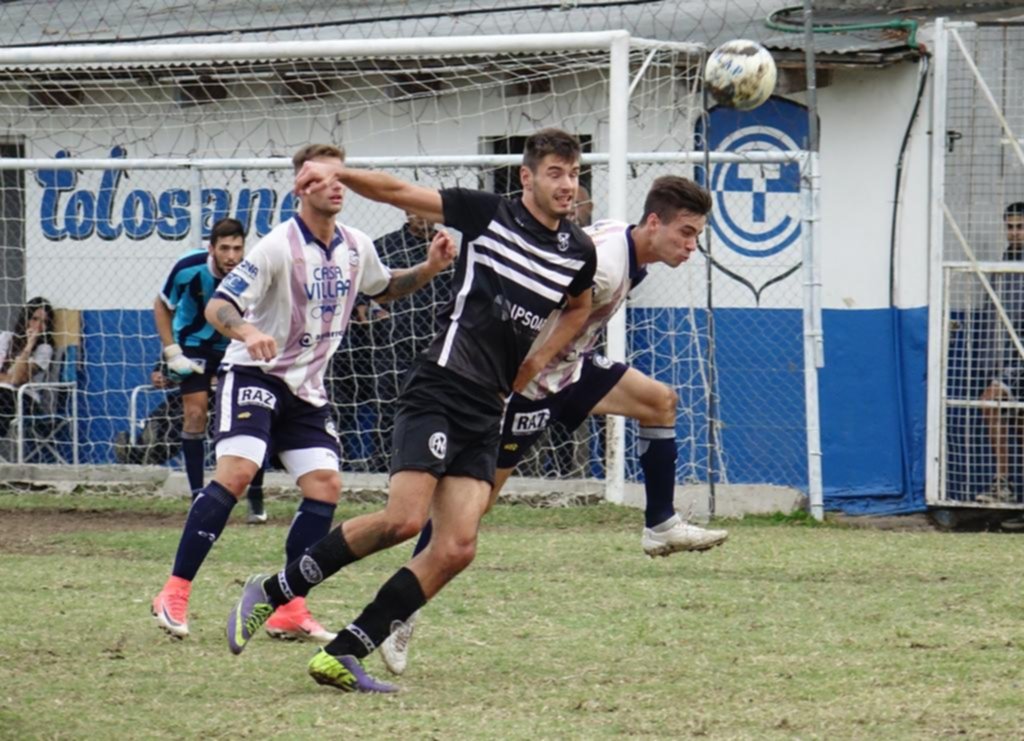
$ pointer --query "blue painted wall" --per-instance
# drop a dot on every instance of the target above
(872, 392)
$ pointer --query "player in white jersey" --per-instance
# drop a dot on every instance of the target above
(579, 382)
(285, 308)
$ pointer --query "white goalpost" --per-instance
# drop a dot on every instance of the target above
(121, 156)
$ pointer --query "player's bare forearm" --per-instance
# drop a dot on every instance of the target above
(440, 253)
(225, 318)
(567, 326)
(377, 186)
(406, 281)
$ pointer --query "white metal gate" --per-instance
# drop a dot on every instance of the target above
(976, 354)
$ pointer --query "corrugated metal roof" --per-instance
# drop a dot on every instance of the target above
(25, 22)
(31, 23)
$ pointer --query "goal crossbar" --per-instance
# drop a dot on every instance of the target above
(227, 52)
(285, 163)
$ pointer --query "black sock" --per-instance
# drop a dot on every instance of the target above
(193, 449)
(311, 524)
(399, 598)
(424, 541)
(207, 518)
(323, 559)
(255, 493)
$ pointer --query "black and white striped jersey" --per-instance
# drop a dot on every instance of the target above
(512, 271)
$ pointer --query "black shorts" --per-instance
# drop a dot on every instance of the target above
(446, 425)
(525, 420)
(209, 361)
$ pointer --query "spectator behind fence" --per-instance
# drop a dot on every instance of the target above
(1004, 426)
(382, 343)
(159, 438)
(25, 355)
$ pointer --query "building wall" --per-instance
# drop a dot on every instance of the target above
(872, 405)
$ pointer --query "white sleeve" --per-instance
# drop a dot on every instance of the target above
(251, 278)
(374, 276)
(5, 346)
(41, 358)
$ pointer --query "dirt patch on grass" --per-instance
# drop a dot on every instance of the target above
(899, 523)
(30, 531)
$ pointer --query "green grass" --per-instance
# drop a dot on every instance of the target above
(561, 629)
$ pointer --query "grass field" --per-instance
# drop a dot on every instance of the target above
(561, 629)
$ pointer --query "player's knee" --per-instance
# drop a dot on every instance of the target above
(402, 526)
(994, 392)
(662, 409)
(235, 481)
(453, 556)
(323, 485)
(195, 421)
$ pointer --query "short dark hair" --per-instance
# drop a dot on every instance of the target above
(226, 227)
(550, 141)
(312, 151)
(671, 193)
(1014, 209)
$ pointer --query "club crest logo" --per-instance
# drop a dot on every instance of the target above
(438, 445)
(310, 570)
(756, 219)
(563, 241)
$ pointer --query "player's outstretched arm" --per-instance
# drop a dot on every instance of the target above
(226, 319)
(568, 324)
(440, 254)
(377, 186)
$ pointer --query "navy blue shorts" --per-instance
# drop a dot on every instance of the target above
(209, 361)
(525, 420)
(253, 403)
(446, 425)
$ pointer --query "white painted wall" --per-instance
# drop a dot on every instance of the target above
(863, 117)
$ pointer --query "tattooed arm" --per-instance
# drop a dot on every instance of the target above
(403, 282)
(226, 319)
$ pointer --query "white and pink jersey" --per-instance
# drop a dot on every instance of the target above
(617, 272)
(301, 293)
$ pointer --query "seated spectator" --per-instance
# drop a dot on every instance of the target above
(159, 440)
(25, 356)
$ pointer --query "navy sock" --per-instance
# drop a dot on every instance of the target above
(424, 540)
(323, 559)
(255, 492)
(205, 522)
(194, 451)
(399, 598)
(311, 523)
(658, 461)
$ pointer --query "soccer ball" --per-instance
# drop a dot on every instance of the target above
(740, 74)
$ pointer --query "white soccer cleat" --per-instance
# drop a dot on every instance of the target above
(682, 536)
(395, 650)
(999, 493)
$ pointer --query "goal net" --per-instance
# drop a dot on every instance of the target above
(117, 161)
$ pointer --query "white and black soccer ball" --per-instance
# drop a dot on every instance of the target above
(740, 74)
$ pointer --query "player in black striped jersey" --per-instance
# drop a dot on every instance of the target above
(520, 260)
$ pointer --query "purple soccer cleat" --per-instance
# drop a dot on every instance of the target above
(248, 616)
(345, 673)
